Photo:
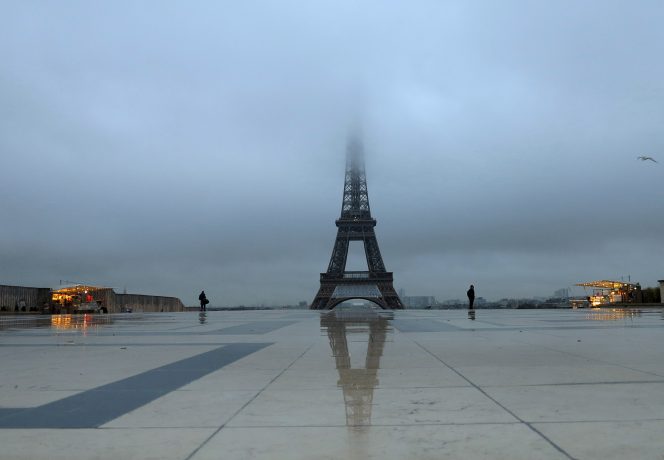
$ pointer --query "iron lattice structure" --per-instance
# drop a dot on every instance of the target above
(356, 224)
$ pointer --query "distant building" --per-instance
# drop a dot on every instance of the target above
(453, 303)
(561, 293)
(418, 301)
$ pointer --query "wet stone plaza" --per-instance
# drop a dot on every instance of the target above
(345, 384)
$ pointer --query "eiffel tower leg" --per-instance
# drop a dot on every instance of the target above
(320, 301)
(374, 259)
(323, 297)
(339, 254)
(390, 295)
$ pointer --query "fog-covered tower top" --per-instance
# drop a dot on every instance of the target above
(355, 204)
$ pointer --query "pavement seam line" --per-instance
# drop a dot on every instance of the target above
(258, 393)
(478, 388)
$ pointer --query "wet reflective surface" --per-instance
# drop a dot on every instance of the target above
(363, 326)
(367, 384)
(56, 322)
(83, 322)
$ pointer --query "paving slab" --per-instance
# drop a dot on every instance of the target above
(101, 444)
(608, 440)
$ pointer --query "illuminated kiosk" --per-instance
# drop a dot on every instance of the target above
(608, 292)
(81, 298)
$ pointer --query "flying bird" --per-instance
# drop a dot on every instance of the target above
(645, 158)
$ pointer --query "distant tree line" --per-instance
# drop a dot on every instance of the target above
(651, 295)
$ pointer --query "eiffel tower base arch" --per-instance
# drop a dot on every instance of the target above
(376, 288)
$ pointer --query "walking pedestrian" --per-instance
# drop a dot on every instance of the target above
(204, 301)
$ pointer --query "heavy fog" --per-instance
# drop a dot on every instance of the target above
(168, 147)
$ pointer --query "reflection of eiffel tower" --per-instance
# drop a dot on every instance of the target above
(357, 384)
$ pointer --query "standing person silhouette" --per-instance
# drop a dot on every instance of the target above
(471, 297)
(204, 300)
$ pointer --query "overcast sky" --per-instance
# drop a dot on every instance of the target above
(168, 147)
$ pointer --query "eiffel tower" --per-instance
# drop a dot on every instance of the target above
(356, 224)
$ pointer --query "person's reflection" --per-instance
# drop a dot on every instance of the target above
(202, 317)
(357, 384)
(471, 315)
